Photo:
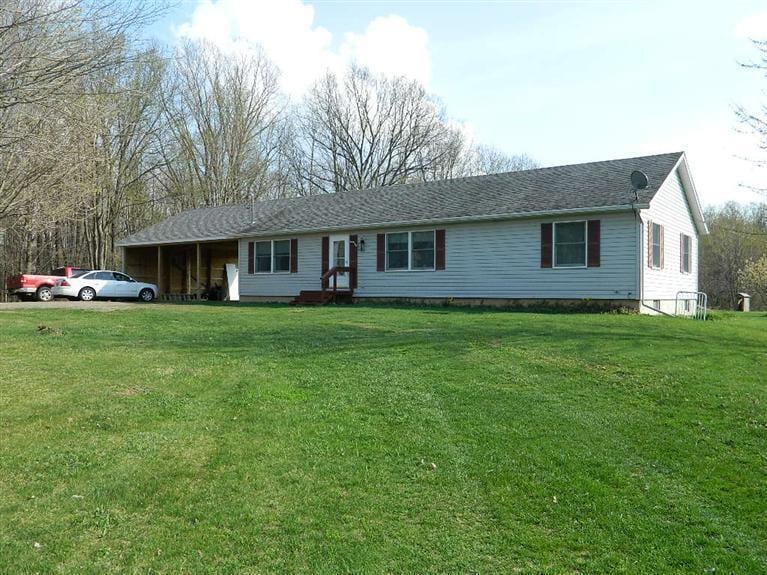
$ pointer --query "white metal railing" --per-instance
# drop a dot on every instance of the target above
(694, 304)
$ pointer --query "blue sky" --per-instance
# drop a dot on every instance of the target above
(561, 81)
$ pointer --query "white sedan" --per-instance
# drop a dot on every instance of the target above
(90, 285)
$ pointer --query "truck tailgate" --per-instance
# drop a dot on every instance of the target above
(14, 282)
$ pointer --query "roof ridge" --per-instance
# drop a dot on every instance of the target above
(496, 174)
(459, 179)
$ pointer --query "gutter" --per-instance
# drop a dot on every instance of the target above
(175, 242)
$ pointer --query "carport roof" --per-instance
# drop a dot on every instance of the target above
(591, 187)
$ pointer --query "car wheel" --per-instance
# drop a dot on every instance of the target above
(87, 294)
(146, 295)
(45, 293)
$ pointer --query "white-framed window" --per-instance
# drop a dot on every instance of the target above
(686, 247)
(409, 251)
(570, 239)
(272, 256)
(657, 246)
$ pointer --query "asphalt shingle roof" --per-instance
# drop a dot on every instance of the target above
(596, 185)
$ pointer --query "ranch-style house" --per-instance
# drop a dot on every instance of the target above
(553, 236)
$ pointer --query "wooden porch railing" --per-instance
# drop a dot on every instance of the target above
(333, 273)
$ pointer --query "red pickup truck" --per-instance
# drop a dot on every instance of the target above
(32, 286)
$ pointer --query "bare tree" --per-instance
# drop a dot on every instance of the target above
(467, 159)
(117, 127)
(46, 49)
(488, 160)
(222, 117)
(46, 46)
(365, 131)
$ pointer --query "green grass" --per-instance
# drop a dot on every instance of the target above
(269, 439)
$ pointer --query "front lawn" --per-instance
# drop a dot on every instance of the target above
(351, 439)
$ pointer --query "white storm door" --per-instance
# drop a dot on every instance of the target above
(339, 257)
(233, 282)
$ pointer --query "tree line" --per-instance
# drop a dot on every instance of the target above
(102, 134)
(733, 257)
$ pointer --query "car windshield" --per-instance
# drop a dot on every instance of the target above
(59, 272)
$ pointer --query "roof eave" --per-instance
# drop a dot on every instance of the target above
(126, 244)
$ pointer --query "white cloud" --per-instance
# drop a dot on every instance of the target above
(391, 46)
(753, 26)
(302, 50)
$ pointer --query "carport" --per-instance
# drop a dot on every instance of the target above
(183, 270)
(187, 255)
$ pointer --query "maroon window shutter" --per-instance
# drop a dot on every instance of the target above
(681, 253)
(325, 250)
(353, 261)
(439, 249)
(294, 255)
(381, 252)
(649, 243)
(251, 257)
(595, 243)
(546, 244)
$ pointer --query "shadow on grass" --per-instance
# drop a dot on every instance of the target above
(426, 308)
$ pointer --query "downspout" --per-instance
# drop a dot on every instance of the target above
(640, 246)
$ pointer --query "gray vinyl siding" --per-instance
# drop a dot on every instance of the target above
(483, 260)
(503, 260)
(669, 208)
(284, 284)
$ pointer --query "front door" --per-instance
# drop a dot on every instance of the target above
(339, 257)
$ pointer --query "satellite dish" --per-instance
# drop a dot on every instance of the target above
(639, 180)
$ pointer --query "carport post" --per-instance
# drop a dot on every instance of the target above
(159, 269)
(197, 288)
